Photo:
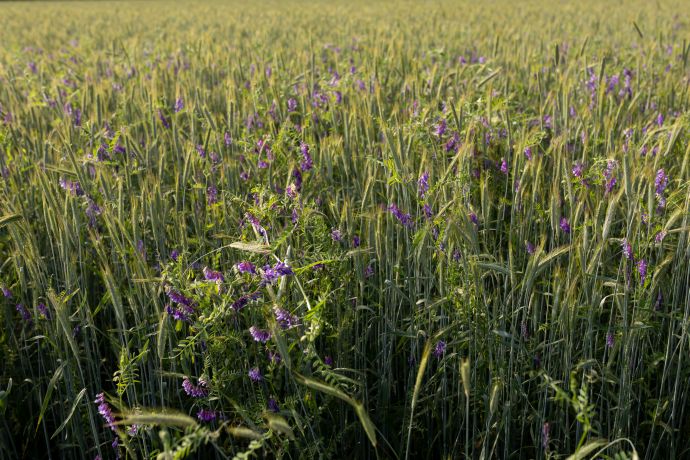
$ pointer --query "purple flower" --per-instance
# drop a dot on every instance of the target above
(92, 210)
(661, 181)
(440, 348)
(179, 104)
(273, 405)
(642, 270)
(268, 275)
(627, 249)
(6, 292)
(474, 219)
(504, 166)
(660, 119)
(528, 153)
(578, 169)
(565, 226)
(291, 105)
(428, 214)
(336, 235)
(259, 335)
(402, 217)
(660, 237)
(548, 122)
(356, 241)
(179, 298)
(212, 275)
(610, 185)
(211, 195)
(369, 271)
(43, 310)
(423, 184)
(530, 248)
(246, 267)
(291, 191)
(177, 314)
(256, 224)
(73, 187)
(274, 357)
(195, 391)
(440, 129)
(25, 314)
(452, 142)
(205, 415)
(306, 164)
(174, 255)
(227, 138)
(240, 303)
(283, 269)
(659, 301)
(164, 121)
(285, 319)
(105, 410)
(255, 375)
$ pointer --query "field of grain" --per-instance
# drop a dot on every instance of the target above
(311, 229)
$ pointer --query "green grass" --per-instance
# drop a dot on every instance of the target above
(564, 351)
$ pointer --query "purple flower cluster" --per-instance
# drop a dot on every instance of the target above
(178, 313)
(164, 121)
(529, 247)
(269, 275)
(43, 310)
(212, 275)
(336, 235)
(179, 105)
(402, 217)
(440, 349)
(195, 391)
(206, 415)
(291, 105)
(259, 335)
(255, 375)
(24, 313)
(181, 299)
(246, 267)
(307, 163)
(256, 224)
(660, 237)
(285, 319)
(627, 249)
(609, 177)
(642, 270)
(105, 410)
(74, 188)
(441, 127)
(92, 211)
(660, 183)
(423, 184)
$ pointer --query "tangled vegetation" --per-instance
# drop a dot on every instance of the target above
(344, 230)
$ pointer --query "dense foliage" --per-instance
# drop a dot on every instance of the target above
(359, 230)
